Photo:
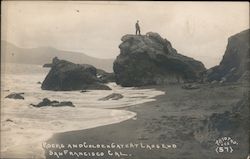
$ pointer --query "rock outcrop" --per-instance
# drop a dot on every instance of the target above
(149, 59)
(235, 62)
(54, 103)
(67, 76)
(113, 96)
(15, 96)
(47, 65)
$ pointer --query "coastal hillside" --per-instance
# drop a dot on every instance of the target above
(41, 55)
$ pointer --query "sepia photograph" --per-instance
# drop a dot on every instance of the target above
(125, 80)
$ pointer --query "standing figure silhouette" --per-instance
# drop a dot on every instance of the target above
(137, 28)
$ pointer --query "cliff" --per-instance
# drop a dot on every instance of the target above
(235, 63)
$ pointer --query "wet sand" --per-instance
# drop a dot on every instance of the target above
(173, 118)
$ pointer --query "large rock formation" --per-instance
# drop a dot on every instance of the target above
(66, 76)
(235, 62)
(149, 59)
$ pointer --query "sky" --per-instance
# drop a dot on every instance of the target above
(196, 29)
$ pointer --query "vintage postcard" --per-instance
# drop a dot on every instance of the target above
(124, 80)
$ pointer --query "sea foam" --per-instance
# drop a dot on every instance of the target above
(24, 128)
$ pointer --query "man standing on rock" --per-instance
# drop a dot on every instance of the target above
(137, 28)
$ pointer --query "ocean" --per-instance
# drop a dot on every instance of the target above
(24, 128)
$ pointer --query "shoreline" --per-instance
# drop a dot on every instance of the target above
(31, 126)
(168, 120)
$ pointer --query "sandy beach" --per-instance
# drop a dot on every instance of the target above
(174, 118)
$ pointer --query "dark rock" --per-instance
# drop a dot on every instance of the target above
(113, 96)
(149, 59)
(15, 96)
(235, 61)
(190, 86)
(67, 76)
(54, 103)
(9, 120)
(83, 91)
(104, 76)
(39, 82)
(47, 65)
(64, 103)
(45, 102)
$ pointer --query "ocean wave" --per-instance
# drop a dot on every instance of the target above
(24, 127)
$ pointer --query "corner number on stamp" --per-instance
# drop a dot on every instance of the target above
(225, 145)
